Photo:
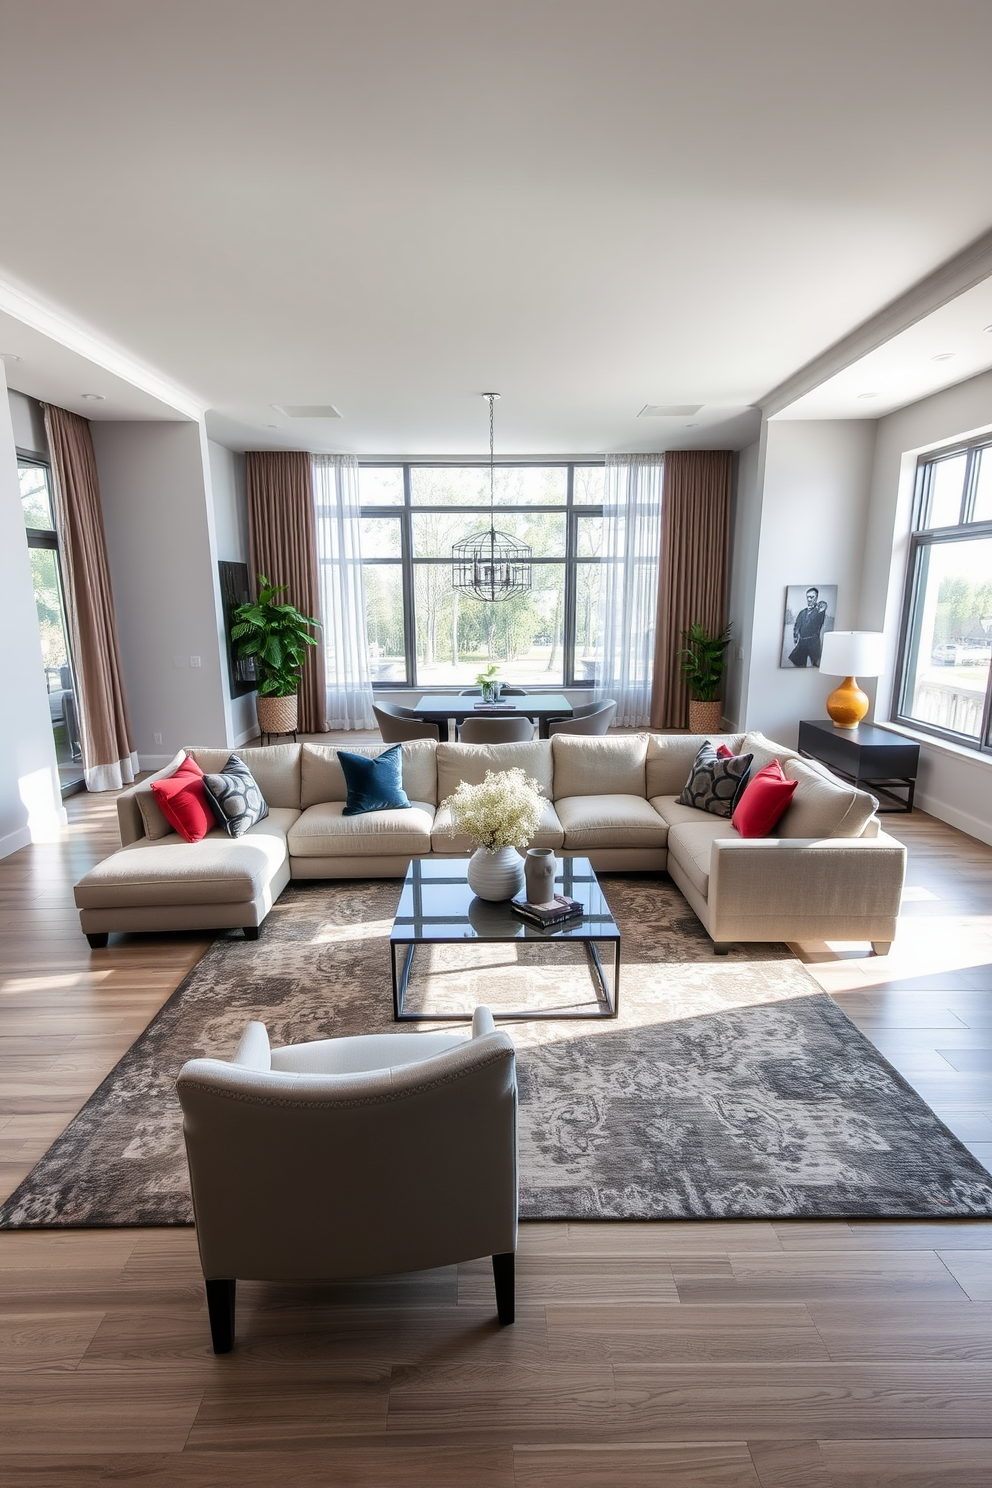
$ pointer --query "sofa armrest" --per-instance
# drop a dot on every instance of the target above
(836, 882)
(130, 822)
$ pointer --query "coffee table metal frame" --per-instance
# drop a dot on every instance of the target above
(436, 899)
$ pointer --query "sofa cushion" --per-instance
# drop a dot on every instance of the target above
(764, 802)
(216, 870)
(671, 810)
(550, 832)
(184, 802)
(323, 779)
(276, 768)
(764, 751)
(373, 784)
(714, 784)
(599, 766)
(236, 799)
(469, 762)
(153, 820)
(689, 846)
(323, 831)
(670, 757)
(823, 806)
(610, 821)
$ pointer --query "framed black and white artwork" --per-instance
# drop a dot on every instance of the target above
(810, 611)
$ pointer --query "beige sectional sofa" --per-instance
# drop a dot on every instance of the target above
(827, 873)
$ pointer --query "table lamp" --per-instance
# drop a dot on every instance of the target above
(848, 654)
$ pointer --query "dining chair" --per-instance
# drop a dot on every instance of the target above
(588, 718)
(496, 730)
(397, 724)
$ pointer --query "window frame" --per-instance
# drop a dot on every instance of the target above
(922, 541)
(408, 563)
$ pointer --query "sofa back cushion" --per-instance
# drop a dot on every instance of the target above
(613, 765)
(458, 762)
(670, 758)
(763, 751)
(323, 778)
(823, 806)
(275, 768)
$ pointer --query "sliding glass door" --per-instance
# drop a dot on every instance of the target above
(36, 503)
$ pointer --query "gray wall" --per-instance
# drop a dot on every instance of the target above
(154, 486)
(30, 800)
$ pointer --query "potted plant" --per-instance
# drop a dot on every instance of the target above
(489, 683)
(275, 637)
(704, 662)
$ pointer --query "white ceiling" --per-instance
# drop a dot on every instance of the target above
(392, 206)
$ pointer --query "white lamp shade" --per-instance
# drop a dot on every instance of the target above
(853, 653)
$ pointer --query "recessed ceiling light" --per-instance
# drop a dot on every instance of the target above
(94, 397)
(943, 356)
(669, 410)
(867, 395)
(272, 426)
(11, 356)
(692, 426)
(988, 328)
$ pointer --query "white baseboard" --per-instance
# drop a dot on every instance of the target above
(154, 761)
(952, 816)
(14, 841)
(248, 737)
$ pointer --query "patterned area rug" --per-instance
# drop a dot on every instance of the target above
(728, 1087)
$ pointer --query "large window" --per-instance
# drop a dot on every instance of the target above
(422, 632)
(947, 649)
(36, 504)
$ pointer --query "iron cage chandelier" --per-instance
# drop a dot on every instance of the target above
(491, 565)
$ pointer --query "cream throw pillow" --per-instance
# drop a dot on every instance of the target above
(823, 806)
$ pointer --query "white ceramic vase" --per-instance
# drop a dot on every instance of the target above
(496, 875)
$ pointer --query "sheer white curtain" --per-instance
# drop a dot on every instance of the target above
(631, 554)
(342, 592)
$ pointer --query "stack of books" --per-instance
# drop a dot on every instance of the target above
(555, 912)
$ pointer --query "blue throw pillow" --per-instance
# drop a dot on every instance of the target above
(373, 784)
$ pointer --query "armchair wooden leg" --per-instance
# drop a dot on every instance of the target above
(220, 1306)
(503, 1277)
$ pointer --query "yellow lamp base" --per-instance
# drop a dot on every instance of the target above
(847, 704)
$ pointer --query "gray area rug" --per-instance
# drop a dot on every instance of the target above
(728, 1087)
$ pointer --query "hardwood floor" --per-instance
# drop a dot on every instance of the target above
(698, 1355)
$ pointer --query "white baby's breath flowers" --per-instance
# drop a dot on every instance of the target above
(504, 811)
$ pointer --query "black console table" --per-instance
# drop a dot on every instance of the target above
(880, 762)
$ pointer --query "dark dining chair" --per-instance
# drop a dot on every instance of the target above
(397, 724)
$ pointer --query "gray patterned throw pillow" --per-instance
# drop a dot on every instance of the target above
(715, 784)
(235, 797)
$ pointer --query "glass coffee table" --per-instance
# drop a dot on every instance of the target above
(437, 907)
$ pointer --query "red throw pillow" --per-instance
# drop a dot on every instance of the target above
(183, 801)
(722, 752)
(764, 801)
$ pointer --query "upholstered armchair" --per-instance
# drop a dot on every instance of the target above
(352, 1157)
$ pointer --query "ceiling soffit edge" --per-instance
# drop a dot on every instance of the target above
(962, 272)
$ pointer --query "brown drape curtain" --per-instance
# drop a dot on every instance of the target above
(283, 541)
(692, 581)
(105, 735)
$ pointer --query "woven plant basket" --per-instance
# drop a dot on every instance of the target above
(705, 718)
(277, 715)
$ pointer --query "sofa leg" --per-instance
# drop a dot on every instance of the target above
(220, 1306)
(503, 1277)
(881, 947)
(721, 948)
(251, 932)
(98, 939)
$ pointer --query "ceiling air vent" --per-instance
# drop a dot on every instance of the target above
(669, 410)
(307, 410)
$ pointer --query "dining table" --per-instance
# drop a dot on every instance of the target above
(444, 707)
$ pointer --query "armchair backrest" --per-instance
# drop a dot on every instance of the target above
(318, 1176)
